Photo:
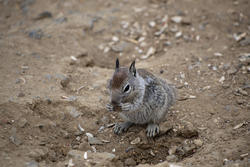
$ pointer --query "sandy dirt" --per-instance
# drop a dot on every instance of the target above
(56, 57)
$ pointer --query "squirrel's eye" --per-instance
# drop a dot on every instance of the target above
(126, 89)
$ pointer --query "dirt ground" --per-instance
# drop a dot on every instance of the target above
(56, 57)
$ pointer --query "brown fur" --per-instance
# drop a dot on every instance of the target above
(119, 77)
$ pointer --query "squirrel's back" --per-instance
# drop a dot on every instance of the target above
(158, 97)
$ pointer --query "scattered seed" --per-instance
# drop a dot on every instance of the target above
(89, 135)
(73, 58)
(85, 156)
(217, 54)
(176, 19)
(222, 79)
(80, 128)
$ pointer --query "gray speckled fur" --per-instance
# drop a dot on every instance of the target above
(153, 100)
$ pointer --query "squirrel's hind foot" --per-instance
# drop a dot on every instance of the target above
(122, 127)
(152, 130)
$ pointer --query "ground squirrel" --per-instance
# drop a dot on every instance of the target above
(141, 97)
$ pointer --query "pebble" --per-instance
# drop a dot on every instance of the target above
(36, 34)
(178, 34)
(32, 164)
(198, 142)
(152, 24)
(245, 58)
(43, 15)
(245, 42)
(232, 71)
(239, 37)
(241, 91)
(222, 79)
(217, 54)
(176, 19)
(135, 141)
(65, 81)
(162, 30)
(150, 52)
(130, 162)
(76, 154)
(171, 158)
(94, 141)
(115, 39)
(38, 153)
(22, 122)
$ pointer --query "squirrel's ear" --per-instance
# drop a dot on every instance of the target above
(132, 68)
(117, 64)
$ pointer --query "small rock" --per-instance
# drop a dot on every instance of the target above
(217, 54)
(171, 158)
(36, 34)
(115, 39)
(21, 94)
(245, 58)
(232, 71)
(94, 141)
(198, 142)
(241, 91)
(43, 15)
(22, 122)
(222, 79)
(89, 134)
(245, 42)
(178, 34)
(135, 141)
(188, 130)
(152, 24)
(38, 153)
(76, 154)
(130, 162)
(165, 127)
(239, 37)
(150, 52)
(65, 81)
(240, 101)
(162, 30)
(176, 19)
(32, 164)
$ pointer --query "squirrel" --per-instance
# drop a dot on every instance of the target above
(141, 97)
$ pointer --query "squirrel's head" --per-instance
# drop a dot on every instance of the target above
(125, 84)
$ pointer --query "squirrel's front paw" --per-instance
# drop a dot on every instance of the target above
(126, 106)
(109, 107)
